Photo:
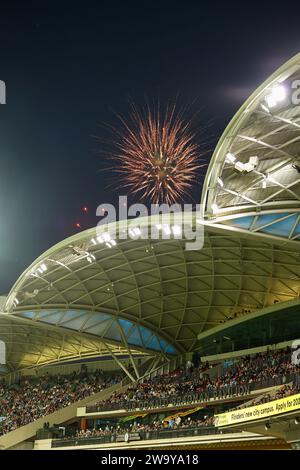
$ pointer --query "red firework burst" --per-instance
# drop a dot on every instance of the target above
(157, 154)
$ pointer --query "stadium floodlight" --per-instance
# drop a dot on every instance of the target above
(108, 244)
(100, 239)
(43, 267)
(270, 101)
(93, 241)
(249, 166)
(239, 166)
(166, 229)
(277, 95)
(106, 237)
(253, 161)
(113, 242)
(230, 158)
(176, 229)
(90, 258)
(297, 420)
(135, 232)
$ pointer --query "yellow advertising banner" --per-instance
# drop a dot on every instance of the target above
(283, 405)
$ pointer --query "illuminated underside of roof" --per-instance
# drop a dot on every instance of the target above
(257, 160)
(155, 290)
(30, 344)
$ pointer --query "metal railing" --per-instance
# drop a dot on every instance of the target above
(141, 435)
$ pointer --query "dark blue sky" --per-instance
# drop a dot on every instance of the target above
(67, 64)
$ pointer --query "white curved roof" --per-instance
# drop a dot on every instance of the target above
(155, 294)
(256, 163)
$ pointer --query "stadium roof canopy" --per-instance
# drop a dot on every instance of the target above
(155, 296)
(256, 162)
(30, 344)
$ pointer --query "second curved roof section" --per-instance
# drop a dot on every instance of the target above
(256, 163)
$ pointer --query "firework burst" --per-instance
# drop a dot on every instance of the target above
(157, 155)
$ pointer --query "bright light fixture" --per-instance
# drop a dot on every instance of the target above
(239, 166)
(277, 95)
(106, 236)
(230, 158)
(166, 229)
(135, 232)
(176, 229)
(249, 166)
(271, 102)
(91, 258)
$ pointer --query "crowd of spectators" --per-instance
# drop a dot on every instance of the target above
(31, 399)
(178, 382)
(259, 368)
(281, 392)
(177, 422)
(172, 424)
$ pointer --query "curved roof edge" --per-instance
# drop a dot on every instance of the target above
(207, 197)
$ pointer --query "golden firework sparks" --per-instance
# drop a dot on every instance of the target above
(157, 155)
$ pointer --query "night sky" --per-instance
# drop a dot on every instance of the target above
(67, 65)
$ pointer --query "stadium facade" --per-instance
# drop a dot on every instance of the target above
(149, 301)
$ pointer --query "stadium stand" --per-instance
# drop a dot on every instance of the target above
(32, 398)
(259, 371)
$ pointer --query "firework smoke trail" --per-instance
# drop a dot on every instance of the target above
(157, 155)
